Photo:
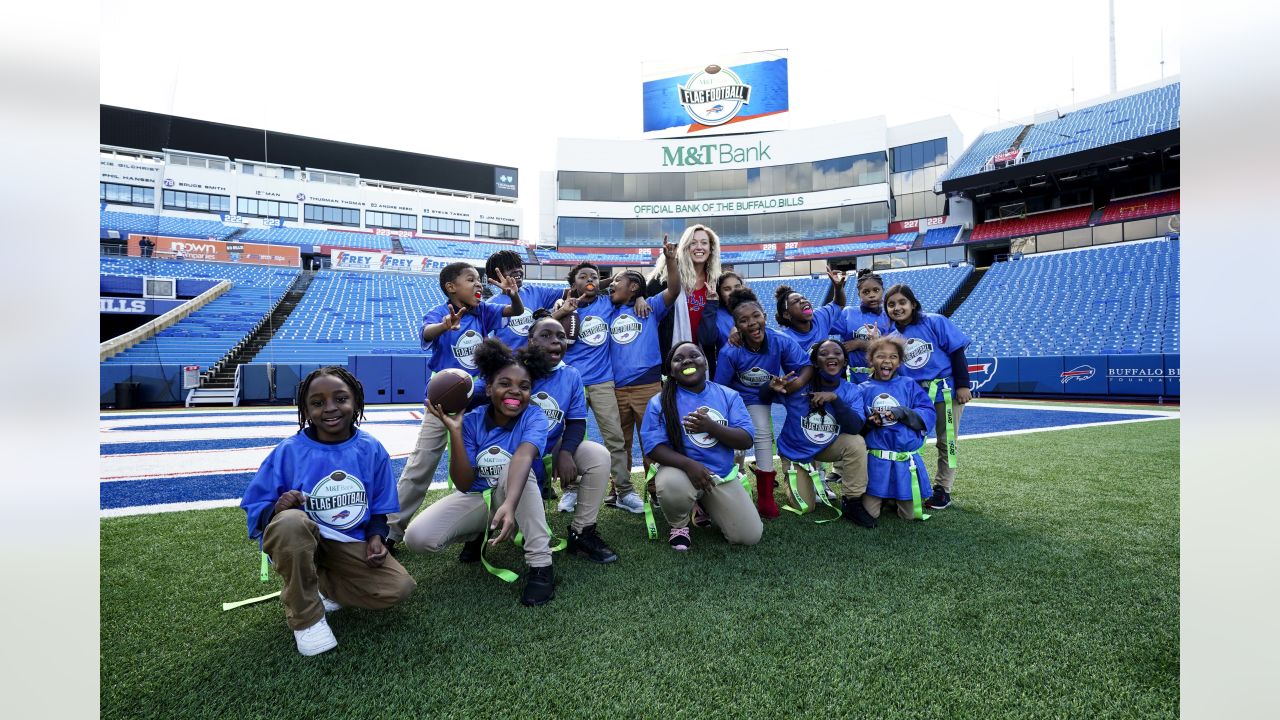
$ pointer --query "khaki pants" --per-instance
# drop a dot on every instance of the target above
(849, 453)
(632, 402)
(604, 403)
(945, 476)
(461, 517)
(417, 474)
(873, 505)
(311, 564)
(593, 467)
(729, 504)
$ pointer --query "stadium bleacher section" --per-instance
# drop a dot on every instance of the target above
(1162, 203)
(1052, 221)
(461, 249)
(938, 237)
(145, 224)
(899, 241)
(309, 236)
(1115, 300)
(206, 335)
(1106, 123)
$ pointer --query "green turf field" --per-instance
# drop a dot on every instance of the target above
(1050, 589)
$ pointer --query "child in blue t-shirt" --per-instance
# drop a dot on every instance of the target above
(762, 355)
(798, 318)
(452, 332)
(559, 393)
(725, 285)
(860, 324)
(636, 357)
(514, 330)
(823, 422)
(495, 448)
(899, 414)
(934, 357)
(319, 505)
(691, 429)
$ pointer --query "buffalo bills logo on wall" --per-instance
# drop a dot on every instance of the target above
(981, 373)
(714, 95)
(1080, 373)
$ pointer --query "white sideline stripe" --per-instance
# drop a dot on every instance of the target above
(115, 424)
(182, 507)
(205, 504)
(1097, 411)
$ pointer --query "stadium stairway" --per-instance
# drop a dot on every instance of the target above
(238, 232)
(396, 245)
(963, 292)
(222, 376)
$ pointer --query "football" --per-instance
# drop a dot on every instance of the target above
(450, 389)
(713, 69)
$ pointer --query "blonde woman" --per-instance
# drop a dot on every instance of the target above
(698, 262)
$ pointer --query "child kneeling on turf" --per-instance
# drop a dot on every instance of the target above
(691, 429)
(319, 506)
(899, 414)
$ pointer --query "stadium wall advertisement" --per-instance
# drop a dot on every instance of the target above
(136, 306)
(218, 251)
(387, 262)
(1126, 375)
(743, 92)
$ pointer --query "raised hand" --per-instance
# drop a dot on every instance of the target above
(837, 276)
(451, 422)
(642, 308)
(668, 248)
(779, 384)
(508, 284)
(453, 320)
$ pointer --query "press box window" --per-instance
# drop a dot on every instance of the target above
(330, 215)
(497, 231)
(200, 202)
(391, 221)
(252, 207)
(446, 226)
(126, 194)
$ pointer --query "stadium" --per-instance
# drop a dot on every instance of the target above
(236, 260)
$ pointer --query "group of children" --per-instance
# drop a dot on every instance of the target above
(861, 386)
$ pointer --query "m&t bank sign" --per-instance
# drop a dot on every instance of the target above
(713, 154)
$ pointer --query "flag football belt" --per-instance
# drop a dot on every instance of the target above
(502, 573)
(651, 527)
(819, 491)
(917, 509)
(859, 370)
(950, 417)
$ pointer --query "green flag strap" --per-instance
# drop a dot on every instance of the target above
(860, 370)
(819, 491)
(557, 544)
(651, 527)
(250, 601)
(263, 573)
(934, 386)
(917, 508)
(501, 573)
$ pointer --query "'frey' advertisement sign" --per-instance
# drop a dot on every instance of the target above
(386, 262)
(743, 92)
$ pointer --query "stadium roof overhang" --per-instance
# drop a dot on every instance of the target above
(1097, 157)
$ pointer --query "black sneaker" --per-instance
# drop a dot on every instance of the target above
(590, 545)
(539, 586)
(940, 500)
(471, 551)
(854, 512)
(548, 493)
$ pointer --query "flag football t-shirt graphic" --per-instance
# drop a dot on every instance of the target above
(704, 440)
(594, 331)
(490, 464)
(883, 404)
(339, 501)
(549, 406)
(820, 427)
(918, 353)
(465, 351)
(625, 329)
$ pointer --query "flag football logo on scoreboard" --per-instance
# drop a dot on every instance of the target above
(714, 95)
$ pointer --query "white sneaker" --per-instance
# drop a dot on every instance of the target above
(631, 502)
(568, 501)
(315, 639)
(329, 605)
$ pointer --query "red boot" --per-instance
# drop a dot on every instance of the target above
(765, 504)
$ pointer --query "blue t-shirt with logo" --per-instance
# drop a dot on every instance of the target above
(807, 432)
(590, 354)
(857, 323)
(561, 396)
(748, 372)
(891, 478)
(930, 342)
(825, 320)
(490, 447)
(723, 405)
(345, 483)
(514, 331)
(457, 348)
(633, 343)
